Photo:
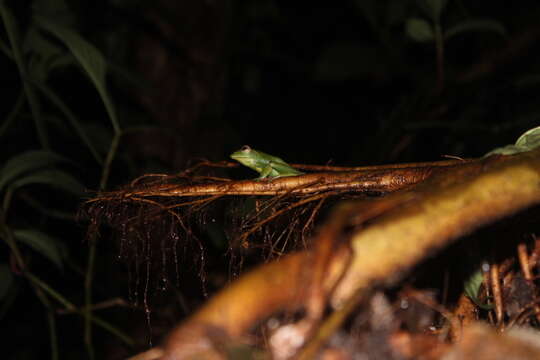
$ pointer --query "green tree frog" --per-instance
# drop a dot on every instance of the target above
(267, 166)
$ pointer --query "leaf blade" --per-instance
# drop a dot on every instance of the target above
(476, 25)
(12, 31)
(89, 57)
(27, 162)
(419, 30)
(42, 243)
(52, 177)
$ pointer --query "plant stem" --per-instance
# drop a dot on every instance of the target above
(92, 251)
(88, 298)
(109, 159)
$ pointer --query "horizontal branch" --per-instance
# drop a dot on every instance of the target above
(383, 179)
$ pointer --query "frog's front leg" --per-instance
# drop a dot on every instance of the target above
(266, 171)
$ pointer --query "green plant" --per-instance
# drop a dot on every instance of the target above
(39, 179)
(432, 30)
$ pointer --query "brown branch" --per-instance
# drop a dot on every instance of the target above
(523, 258)
(432, 216)
(324, 168)
(446, 207)
(497, 292)
(371, 179)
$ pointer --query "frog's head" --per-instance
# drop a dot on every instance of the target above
(246, 156)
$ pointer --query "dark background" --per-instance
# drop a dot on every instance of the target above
(345, 84)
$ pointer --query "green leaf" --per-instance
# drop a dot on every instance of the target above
(42, 243)
(44, 54)
(26, 162)
(90, 58)
(476, 25)
(74, 121)
(56, 178)
(472, 286)
(16, 50)
(419, 30)
(505, 150)
(6, 280)
(528, 141)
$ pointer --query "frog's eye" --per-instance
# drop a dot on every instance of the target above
(245, 149)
